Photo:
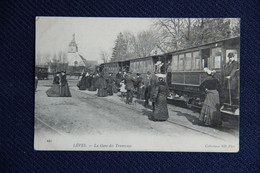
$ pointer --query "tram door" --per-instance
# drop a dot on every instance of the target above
(205, 56)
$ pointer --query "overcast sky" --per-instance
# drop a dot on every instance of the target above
(91, 34)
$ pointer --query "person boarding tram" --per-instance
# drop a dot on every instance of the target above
(230, 86)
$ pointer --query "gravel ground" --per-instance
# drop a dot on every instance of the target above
(86, 122)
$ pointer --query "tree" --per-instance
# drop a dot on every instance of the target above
(104, 56)
(171, 31)
(145, 42)
(182, 33)
(119, 51)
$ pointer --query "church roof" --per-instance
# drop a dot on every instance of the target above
(73, 44)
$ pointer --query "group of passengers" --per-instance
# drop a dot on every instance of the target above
(60, 87)
(154, 89)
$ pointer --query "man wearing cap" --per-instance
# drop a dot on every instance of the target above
(149, 83)
(230, 86)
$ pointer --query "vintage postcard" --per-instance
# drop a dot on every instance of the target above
(137, 84)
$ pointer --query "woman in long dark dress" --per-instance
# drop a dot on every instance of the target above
(54, 91)
(102, 87)
(82, 85)
(65, 91)
(159, 98)
(210, 114)
(92, 83)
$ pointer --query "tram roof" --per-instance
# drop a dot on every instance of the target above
(205, 44)
(174, 51)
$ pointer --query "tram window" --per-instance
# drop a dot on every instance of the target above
(205, 57)
(216, 57)
(188, 61)
(175, 62)
(196, 60)
(135, 67)
(181, 62)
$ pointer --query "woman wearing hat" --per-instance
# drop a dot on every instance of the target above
(210, 114)
(65, 91)
(102, 86)
(159, 98)
(82, 85)
(54, 91)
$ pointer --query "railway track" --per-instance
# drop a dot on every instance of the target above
(48, 126)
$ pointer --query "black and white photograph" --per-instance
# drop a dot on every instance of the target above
(137, 84)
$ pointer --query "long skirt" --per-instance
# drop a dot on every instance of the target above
(92, 88)
(110, 90)
(54, 91)
(210, 113)
(160, 112)
(114, 87)
(65, 91)
(102, 92)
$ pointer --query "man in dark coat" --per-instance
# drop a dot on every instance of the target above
(110, 81)
(129, 82)
(231, 75)
(149, 84)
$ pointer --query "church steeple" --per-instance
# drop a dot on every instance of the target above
(73, 47)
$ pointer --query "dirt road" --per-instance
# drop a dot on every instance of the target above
(84, 116)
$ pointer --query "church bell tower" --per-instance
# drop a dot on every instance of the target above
(73, 47)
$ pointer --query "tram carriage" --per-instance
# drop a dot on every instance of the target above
(183, 70)
(186, 72)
